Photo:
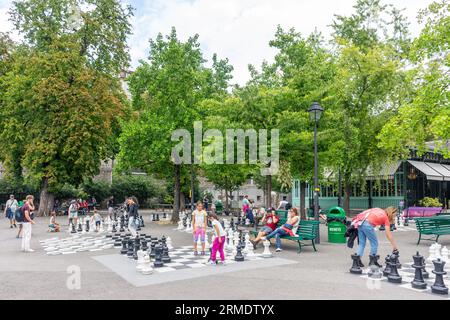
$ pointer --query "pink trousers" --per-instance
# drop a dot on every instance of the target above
(218, 247)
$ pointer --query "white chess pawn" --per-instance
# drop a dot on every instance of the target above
(438, 251)
(169, 243)
(180, 225)
(140, 261)
(444, 254)
(207, 246)
(146, 267)
(266, 253)
(432, 253)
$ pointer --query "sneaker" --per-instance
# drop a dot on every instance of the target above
(29, 250)
(254, 244)
(10, 226)
(224, 263)
(15, 225)
(195, 253)
(278, 250)
(203, 253)
(212, 263)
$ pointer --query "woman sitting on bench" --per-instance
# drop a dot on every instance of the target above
(288, 229)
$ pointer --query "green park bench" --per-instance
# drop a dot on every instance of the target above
(307, 231)
(434, 226)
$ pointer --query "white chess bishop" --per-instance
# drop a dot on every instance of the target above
(444, 254)
(169, 243)
(180, 224)
(140, 261)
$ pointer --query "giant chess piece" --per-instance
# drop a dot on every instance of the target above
(136, 250)
(73, 229)
(180, 225)
(396, 254)
(164, 215)
(169, 243)
(355, 269)
(122, 220)
(158, 257)
(425, 273)
(439, 286)
(373, 261)
(165, 255)
(432, 253)
(140, 260)
(124, 247)
(80, 228)
(157, 217)
(444, 254)
(266, 253)
(394, 276)
(374, 272)
(147, 268)
(142, 222)
(239, 256)
(144, 244)
(152, 250)
(114, 230)
(418, 282)
(130, 248)
(87, 225)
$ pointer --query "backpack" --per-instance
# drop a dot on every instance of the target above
(19, 215)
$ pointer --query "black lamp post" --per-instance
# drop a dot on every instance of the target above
(315, 112)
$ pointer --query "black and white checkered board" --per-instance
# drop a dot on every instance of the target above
(184, 258)
(407, 274)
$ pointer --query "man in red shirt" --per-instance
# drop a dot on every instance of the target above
(271, 220)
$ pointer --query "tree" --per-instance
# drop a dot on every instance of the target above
(365, 92)
(426, 116)
(62, 96)
(166, 93)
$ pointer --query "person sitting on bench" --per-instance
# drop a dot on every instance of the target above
(270, 219)
(288, 229)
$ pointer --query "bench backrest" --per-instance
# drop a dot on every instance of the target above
(308, 227)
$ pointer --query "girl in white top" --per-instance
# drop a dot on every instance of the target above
(219, 240)
(199, 217)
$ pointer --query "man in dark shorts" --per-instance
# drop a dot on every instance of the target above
(271, 220)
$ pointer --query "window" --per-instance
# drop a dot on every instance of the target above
(258, 198)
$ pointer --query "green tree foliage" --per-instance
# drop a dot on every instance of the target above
(426, 116)
(142, 187)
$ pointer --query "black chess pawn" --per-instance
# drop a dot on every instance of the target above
(153, 217)
(165, 255)
(135, 255)
(394, 276)
(164, 216)
(152, 250)
(142, 222)
(80, 228)
(114, 230)
(144, 244)
(397, 261)
(124, 247)
(355, 269)
(373, 260)
(418, 282)
(157, 217)
(158, 257)
(439, 286)
(239, 256)
(73, 229)
(163, 240)
(130, 248)
(87, 225)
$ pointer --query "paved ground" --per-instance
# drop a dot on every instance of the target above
(315, 275)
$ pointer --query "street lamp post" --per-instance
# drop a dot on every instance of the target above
(315, 112)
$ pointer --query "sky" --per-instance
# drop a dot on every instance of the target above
(239, 30)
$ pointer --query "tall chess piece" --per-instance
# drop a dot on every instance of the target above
(266, 253)
(374, 272)
(73, 229)
(239, 256)
(425, 273)
(355, 269)
(152, 250)
(432, 253)
(158, 258)
(418, 282)
(396, 254)
(169, 243)
(373, 260)
(80, 228)
(114, 230)
(165, 255)
(444, 254)
(124, 247)
(130, 248)
(394, 276)
(140, 260)
(439, 286)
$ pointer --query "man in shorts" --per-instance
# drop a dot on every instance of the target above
(271, 220)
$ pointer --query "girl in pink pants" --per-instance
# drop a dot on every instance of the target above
(219, 241)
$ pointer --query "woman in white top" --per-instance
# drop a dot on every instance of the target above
(288, 229)
(219, 240)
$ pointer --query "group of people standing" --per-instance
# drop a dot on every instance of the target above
(21, 214)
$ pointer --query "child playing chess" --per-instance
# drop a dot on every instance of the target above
(199, 217)
(219, 240)
(53, 226)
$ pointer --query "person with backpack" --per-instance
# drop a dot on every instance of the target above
(27, 211)
(10, 210)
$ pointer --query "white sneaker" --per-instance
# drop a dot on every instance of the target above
(212, 263)
(263, 238)
(224, 263)
(29, 250)
(278, 250)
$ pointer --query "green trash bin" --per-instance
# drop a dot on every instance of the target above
(219, 207)
(336, 219)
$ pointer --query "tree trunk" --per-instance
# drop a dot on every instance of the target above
(302, 200)
(269, 192)
(225, 211)
(347, 191)
(46, 199)
(176, 197)
(182, 201)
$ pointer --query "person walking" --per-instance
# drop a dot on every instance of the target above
(132, 215)
(27, 211)
(10, 210)
(366, 222)
(73, 213)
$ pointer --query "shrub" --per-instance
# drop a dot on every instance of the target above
(142, 187)
(430, 202)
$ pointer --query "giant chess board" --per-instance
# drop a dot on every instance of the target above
(184, 265)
